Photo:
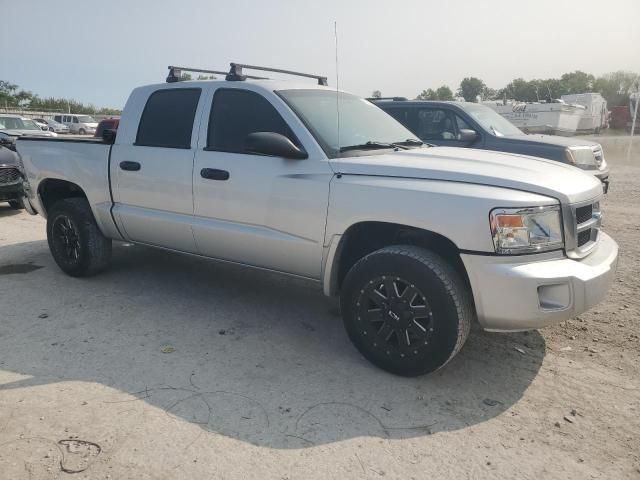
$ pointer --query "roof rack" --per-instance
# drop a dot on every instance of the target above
(175, 73)
(395, 99)
(236, 73)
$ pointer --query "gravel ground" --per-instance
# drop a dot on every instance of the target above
(171, 367)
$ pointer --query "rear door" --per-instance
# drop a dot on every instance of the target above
(260, 210)
(151, 170)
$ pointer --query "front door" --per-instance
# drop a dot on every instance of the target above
(152, 172)
(254, 209)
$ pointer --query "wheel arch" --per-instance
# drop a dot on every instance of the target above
(51, 190)
(365, 237)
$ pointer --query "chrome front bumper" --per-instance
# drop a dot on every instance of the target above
(528, 292)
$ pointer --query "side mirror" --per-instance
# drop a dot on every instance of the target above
(467, 135)
(109, 135)
(273, 144)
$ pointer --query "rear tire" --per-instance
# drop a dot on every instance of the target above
(16, 204)
(75, 241)
(406, 310)
(82, 131)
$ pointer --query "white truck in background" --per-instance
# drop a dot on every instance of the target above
(417, 241)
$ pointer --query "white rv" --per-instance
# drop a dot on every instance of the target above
(595, 116)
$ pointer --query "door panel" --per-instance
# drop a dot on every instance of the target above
(269, 213)
(154, 204)
(266, 211)
(152, 176)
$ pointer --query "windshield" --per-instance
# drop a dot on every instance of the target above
(360, 121)
(491, 120)
(14, 123)
(86, 119)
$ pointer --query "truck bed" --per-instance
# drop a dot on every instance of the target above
(83, 162)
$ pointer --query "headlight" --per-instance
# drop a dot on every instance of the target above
(581, 157)
(526, 230)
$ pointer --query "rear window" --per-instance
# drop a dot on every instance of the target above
(167, 119)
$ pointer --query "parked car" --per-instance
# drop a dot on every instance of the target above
(471, 125)
(11, 174)
(107, 123)
(81, 124)
(416, 241)
(42, 124)
(16, 125)
(52, 125)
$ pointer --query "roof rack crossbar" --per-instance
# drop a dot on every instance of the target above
(236, 73)
(175, 73)
(395, 99)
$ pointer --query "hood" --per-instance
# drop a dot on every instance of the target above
(519, 172)
(8, 157)
(26, 133)
(552, 140)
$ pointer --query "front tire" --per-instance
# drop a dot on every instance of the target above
(82, 131)
(406, 310)
(76, 243)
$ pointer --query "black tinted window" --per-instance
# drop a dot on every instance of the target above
(237, 113)
(167, 119)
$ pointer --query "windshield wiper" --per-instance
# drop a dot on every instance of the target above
(371, 145)
(410, 141)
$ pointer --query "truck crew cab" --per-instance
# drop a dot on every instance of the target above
(417, 241)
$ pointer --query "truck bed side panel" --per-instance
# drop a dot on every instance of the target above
(84, 163)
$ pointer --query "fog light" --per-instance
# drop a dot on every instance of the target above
(554, 297)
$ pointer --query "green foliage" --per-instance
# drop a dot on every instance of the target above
(471, 88)
(442, 93)
(616, 86)
(12, 97)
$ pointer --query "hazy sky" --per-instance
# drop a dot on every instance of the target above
(98, 51)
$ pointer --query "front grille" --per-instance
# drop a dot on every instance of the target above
(584, 237)
(9, 175)
(586, 226)
(584, 214)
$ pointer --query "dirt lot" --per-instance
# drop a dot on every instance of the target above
(170, 367)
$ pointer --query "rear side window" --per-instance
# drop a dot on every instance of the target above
(237, 113)
(167, 119)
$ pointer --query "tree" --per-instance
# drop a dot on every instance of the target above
(376, 94)
(444, 93)
(12, 96)
(471, 88)
(577, 82)
(428, 94)
(615, 87)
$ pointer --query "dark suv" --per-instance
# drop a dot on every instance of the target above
(472, 125)
(11, 176)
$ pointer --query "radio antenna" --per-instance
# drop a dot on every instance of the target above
(335, 34)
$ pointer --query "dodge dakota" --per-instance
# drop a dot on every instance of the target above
(416, 241)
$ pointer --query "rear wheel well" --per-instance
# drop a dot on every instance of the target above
(364, 238)
(52, 190)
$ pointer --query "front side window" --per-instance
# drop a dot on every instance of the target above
(360, 121)
(75, 119)
(86, 119)
(167, 119)
(237, 113)
(436, 124)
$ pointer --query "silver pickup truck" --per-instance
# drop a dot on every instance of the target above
(416, 241)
